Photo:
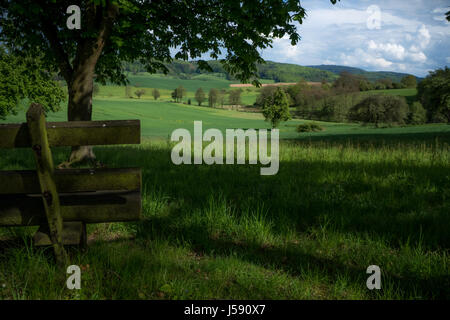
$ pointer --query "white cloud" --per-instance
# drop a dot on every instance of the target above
(424, 36)
(418, 57)
(391, 50)
(440, 10)
(410, 39)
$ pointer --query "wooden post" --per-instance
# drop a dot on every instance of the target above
(45, 170)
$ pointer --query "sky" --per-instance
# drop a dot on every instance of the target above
(410, 36)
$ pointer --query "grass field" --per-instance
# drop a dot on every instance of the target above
(344, 198)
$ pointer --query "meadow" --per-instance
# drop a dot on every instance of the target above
(344, 199)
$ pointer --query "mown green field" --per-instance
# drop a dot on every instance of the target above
(344, 199)
(160, 118)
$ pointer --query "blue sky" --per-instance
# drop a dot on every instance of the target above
(410, 36)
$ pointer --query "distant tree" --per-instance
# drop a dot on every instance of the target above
(200, 96)
(380, 109)
(25, 78)
(276, 108)
(409, 81)
(221, 98)
(235, 97)
(139, 93)
(417, 113)
(180, 93)
(347, 82)
(434, 94)
(365, 85)
(379, 85)
(265, 94)
(156, 94)
(398, 85)
(388, 84)
(128, 92)
(213, 97)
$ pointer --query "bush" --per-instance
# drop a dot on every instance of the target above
(309, 127)
(380, 109)
(140, 93)
(417, 114)
(434, 94)
(409, 81)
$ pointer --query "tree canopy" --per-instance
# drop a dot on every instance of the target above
(128, 30)
(24, 79)
(200, 96)
(276, 107)
(434, 93)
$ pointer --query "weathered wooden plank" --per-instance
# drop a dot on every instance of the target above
(45, 169)
(75, 133)
(72, 234)
(92, 207)
(72, 180)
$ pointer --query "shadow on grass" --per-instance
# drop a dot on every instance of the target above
(393, 201)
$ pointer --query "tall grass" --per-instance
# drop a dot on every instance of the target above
(225, 232)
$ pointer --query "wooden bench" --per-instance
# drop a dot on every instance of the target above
(63, 201)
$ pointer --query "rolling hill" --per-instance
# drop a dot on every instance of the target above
(269, 71)
(370, 75)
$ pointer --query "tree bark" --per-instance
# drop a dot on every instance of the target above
(80, 107)
(80, 80)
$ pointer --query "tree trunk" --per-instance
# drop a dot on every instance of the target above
(81, 80)
(80, 107)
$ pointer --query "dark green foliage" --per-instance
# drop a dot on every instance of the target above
(417, 114)
(213, 97)
(434, 94)
(200, 96)
(235, 97)
(348, 82)
(380, 109)
(409, 81)
(23, 77)
(139, 93)
(309, 127)
(265, 93)
(386, 83)
(371, 76)
(276, 108)
(178, 94)
(279, 72)
(399, 85)
(156, 94)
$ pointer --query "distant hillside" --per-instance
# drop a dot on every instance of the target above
(278, 72)
(372, 76)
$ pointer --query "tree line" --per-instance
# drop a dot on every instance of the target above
(344, 101)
